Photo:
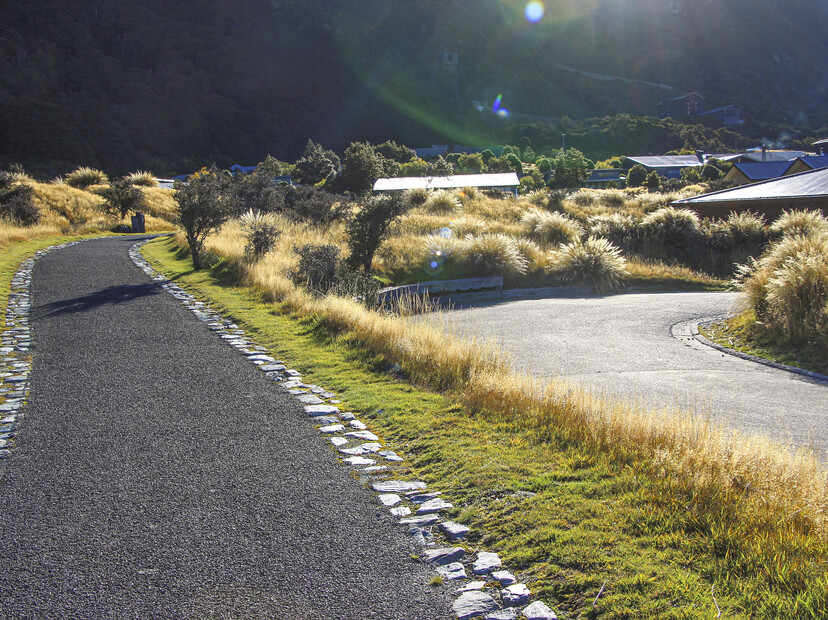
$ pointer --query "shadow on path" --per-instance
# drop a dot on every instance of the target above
(108, 296)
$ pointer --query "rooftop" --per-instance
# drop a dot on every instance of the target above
(505, 180)
(810, 184)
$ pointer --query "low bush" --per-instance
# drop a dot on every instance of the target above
(595, 262)
(620, 229)
(322, 272)
(142, 179)
(788, 289)
(17, 201)
(261, 231)
(84, 177)
(550, 228)
(799, 222)
(417, 196)
(468, 225)
(442, 202)
(673, 234)
(494, 254)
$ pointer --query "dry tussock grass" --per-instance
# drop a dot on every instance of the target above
(11, 232)
(759, 481)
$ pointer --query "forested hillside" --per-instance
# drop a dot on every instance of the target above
(174, 85)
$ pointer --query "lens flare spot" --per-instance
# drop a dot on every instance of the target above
(445, 232)
(534, 11)
(497, 103)
(434, 264)
(503, 113)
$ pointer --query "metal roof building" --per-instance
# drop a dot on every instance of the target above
(505, 181)
(750, 172)
(806, 190)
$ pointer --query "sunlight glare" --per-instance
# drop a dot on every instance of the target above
(534, 11)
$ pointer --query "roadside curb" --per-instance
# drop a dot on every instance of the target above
(483, 588)
(692, 328)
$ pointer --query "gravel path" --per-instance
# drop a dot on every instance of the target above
(158, 474)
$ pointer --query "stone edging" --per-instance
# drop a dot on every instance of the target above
(485, 589)
(15, 347)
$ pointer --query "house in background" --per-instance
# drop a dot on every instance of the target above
(670, 166)
(764, 154)
(803, 164)
(506, 181)
(677, 107)
(692, 104)
(601, 178)
(754, 171)
(806, 191)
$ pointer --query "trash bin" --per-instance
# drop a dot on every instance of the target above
(138, 223)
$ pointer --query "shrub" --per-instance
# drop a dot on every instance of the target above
(619, 229)
(205, 202)
(368, 226)
(788, 289)
(532, 252)
(85, 177)
(261, 232)
(315, 165)
(673, 233)
(612, 198)
(798, 222)
(494, 254)
(304, 204)
(442, 202)
(468, 225)
(322, 272)
(17, 200)
(121, 197)
(417, 196)
(142, 179)
(538, 198)
(583, 198)
(636, 176)
(550, 227)
(595, 262)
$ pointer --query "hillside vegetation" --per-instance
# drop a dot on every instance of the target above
(172, 87)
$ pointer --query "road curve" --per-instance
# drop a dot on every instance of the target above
(158, 474)
(633, 345)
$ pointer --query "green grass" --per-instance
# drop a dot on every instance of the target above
(743, 333)
(568, 520)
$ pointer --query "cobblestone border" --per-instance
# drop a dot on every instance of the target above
(484, 588)
(15, 351)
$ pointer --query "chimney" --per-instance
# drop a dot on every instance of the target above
(764, 153)
(700, 156)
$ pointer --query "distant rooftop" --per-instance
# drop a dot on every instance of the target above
(769, 155)
(763, 170)
(810, 184)
(672, 161)
(503, 180)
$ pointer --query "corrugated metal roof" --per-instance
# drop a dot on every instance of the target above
(810, 184)
(773, 155)
(763, 170)
(673, 161)
(816, 161)
(504, 179)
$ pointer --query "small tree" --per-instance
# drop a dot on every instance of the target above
(368, 226)
(636, 176)
(361, 167)
(205, 202)
(316, 165)
(709, 172)
(653, 181)
(121, 197)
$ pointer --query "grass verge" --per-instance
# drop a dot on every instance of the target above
(745, 334)
(572, 518)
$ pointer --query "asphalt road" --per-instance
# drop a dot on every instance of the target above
(634, 345)
(159, 475)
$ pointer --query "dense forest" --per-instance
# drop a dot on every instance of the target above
(173, 86)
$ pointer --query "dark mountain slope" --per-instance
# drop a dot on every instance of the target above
(171, 86)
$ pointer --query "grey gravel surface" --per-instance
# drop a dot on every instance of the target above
(634, 345)
(158, 474)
